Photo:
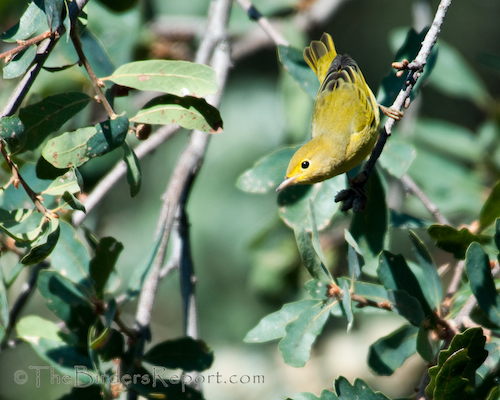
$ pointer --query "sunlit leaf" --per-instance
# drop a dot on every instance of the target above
(180, 78)
(273, 325)
(19, 63)
(188, 111)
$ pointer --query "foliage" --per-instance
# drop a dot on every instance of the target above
(390, 258)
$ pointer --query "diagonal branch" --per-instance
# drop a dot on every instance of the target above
(402, 100)
(215, 48)
(43, 52)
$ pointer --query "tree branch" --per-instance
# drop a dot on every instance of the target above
(43, 52)
(433, 209)
(21, 301)
(351, 196)
(214, 47)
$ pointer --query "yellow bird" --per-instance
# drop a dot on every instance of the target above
(345, 118)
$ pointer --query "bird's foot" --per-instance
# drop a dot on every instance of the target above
(391, 112)
(355, 197)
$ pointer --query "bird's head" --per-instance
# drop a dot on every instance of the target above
(310, 164)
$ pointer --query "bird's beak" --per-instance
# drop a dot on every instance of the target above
(287, 182)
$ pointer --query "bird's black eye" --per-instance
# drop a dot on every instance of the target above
(305, 164)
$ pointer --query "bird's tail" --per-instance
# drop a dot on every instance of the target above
(320, 54)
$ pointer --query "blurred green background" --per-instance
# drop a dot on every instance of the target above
(244, 274)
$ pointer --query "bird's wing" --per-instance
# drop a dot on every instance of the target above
(345, 105)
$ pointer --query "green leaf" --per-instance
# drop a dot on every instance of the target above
(491, 208)
(20, 63)
(69, 149)
(48, 342)
(186, 353)
(103, 263)
(294, 201)
(180, 78)
(325, 395)
(370, 291)
(47, 116)
(31, 20)
(395, 275)
(430, 282)
(69, 257)
(73, 202)
(456, 367)
(392, 84)
(53, 10)
(97, 56)
(360, 390)
(346, 304)
(454, 77)
(405, 221)
(21, 225)
(370, 227)
(407, 306)
(296, 345)
(449, 239)
(188, 111)
(397, 157)
(67, 183)
(310, 257)
(477, 266)
(318, 290)
(389, 353)
(13, 133)
(268, 172)
(315, 237)
(424, 347)
(110, 135)
(76, 148)
(273, 325)
(4, 308)
(437, 134)
(142, 271)
(43, 246)
(68, 301)
(293, 62)
(134, 175)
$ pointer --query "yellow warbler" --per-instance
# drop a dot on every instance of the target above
(345, 118)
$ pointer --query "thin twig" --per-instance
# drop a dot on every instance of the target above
(24, 44)
(43, 52)
(264, 23)
(454, 285)
(102, 188)
(18, 179)
(93, 78)
(189, 161)
(364, 302)
(21, 301)
(433, 209)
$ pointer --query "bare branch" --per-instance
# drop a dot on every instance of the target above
(433, 209)
(354, 196)
(21, 301)
(24, 44)
(264, 23)
(93, 78)
(43, 52)
(191, 158)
